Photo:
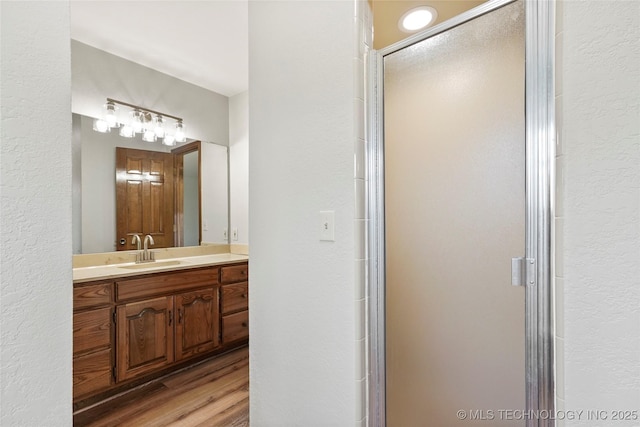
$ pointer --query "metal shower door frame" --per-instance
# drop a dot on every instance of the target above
(539, 195)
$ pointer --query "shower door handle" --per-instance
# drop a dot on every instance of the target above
(523, 271)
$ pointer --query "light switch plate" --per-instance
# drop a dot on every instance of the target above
(327, 226)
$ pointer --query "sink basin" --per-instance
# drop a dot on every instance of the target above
(155, 264)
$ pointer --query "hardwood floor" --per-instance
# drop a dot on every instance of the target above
(214, 393)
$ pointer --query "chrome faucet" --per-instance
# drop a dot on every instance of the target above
(143, 255)
(137, 241)
(146, 255)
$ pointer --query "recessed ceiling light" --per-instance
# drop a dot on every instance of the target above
(417, 19)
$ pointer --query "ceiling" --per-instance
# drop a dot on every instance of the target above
(387, 13)
(205, 42)
(201, 42)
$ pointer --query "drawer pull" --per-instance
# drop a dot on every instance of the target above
(244, 324)
(244, 295)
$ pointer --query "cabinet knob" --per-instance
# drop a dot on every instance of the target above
(244, 295)
(244, 324)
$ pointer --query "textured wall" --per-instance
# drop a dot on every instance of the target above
(598, 239)
(35, 210)
(301, 122)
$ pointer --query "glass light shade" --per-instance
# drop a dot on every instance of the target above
(110, 114)
(136, 121)
(180, 135)
(417, 19)
(158, 123)
(149, 135)
(101, 125)
(169, 140)
(126, 131)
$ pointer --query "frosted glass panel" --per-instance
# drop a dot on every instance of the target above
(455, 212)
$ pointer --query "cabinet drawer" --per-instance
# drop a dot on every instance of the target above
(91, 330)
(235, 326)
(91, 295)
(234, 273)
(162, 284)
(235, 297)
(91, 372)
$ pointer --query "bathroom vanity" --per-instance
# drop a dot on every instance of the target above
(134, 322)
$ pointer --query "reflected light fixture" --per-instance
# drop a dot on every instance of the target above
(417, 19)
(139, 120)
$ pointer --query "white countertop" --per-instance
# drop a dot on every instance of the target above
(105, 272)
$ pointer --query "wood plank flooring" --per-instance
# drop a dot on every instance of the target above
(214, 393)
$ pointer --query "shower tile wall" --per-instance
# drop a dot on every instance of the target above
(559, 219)
(363, 38)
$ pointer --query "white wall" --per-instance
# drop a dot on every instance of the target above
(598, 225)
(301, 121)
(214, 181)
(35, 211)
(98, 75)
(239, 166)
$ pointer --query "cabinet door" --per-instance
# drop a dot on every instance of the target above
(145, 336)
(197, 322)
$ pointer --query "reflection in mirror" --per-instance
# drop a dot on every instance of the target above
(187, 196)
(94, 183)
(191, 199)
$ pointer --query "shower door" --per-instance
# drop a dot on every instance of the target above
(454, 201)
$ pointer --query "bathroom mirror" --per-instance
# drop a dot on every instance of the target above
(202, 215)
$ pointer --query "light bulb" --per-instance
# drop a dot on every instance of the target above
(180, 135)
(100, 125)
(136, 121)
(110, 114)
(126, 131)
(149, 135)
(158, 123)
(169, 140)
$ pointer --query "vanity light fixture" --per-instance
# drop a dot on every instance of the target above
(417, 19)
(139, 120)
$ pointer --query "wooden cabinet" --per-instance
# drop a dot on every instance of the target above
(235, 303)
(92, 338)
(197, 327)
(144, 337)
(130, 329)
(181, 323)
